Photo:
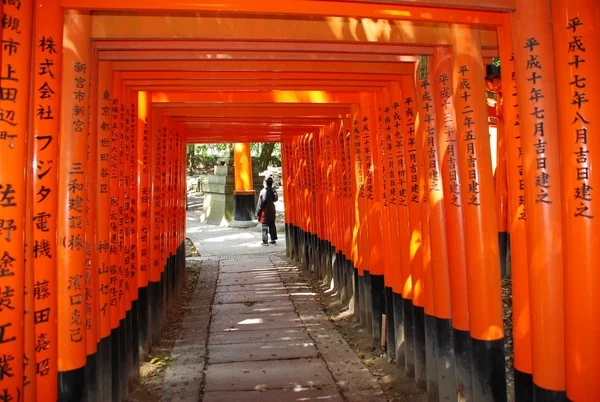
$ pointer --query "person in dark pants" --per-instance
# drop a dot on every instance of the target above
(265, 210)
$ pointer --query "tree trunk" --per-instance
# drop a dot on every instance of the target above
(264, 158)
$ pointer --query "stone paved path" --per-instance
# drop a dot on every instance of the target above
(256, 333)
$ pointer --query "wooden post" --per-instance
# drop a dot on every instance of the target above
(534, 69)
(103, 226)
(481, 230)
(47, 61)
(72, 207)
(576, 56)
(517, 220)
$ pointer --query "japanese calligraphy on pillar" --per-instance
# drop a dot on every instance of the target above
(450, 137)
(143, 201)
(358, 149)
(582, 120)
(534, 72)
(400, 193)
(75, 241)
(47, 85)
(466, 119)
(514, 104)
(14, 117)
(368, 155)
(103, 244)
(412, 150)
(387, 172)
(431, 165)
(114, 211)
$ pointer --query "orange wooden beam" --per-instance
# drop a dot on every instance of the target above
(270, 66)
(406, 11)
(314, 97)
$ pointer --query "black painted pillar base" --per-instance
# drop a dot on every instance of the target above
(445, 359)
(91, 378)
(135, 333)
(431, 361)
(104, 369)
(489, 375)
(523, 386)
(399, 340)
(123, 354)
(378, 307)
(390, 324)
(355, 292)
(503, 248)
(128, 341)
(115, 364)
(362, 301)
(420, 354)
(287, 241)
(368, 303)
(143, 317)
(71, 385)
(155, 299)
(409, 337)
(463, 357)
(243, 205)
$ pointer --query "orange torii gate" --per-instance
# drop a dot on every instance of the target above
(387, 175)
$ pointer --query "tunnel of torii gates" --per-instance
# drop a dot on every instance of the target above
(382, 114)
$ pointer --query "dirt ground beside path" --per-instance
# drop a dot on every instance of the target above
(391, 378)
(153, 370)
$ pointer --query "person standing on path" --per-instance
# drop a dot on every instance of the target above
(265, 211)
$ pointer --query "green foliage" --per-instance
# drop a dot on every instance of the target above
(202, 157)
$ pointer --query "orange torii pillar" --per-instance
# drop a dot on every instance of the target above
(541, 146)
(450, 177)
(71, 210)
(14, 129)
(576, 29)
(481, 227)
(48, 60)
(244, 202)
(103, 241)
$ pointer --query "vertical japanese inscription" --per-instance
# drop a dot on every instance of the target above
(535, 75)
(582, 120)
(46, 89)
(465, 117)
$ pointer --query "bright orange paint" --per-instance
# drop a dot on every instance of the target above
(243, 167)
(576, 32)
(71, 201)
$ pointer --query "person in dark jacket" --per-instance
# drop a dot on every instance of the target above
(265, 210)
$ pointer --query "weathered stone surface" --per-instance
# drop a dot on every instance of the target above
(255, 322)
(271, 307)
(275, 335)
(280, 374)
(261, 351)
(329, 394)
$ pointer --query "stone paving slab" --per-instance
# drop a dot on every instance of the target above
(245, 278)
(270, 307)
(279, 374)
(275, 335)
(261, 351)
(325, 394)
(183, 379)
(257, 287)
(249, 322)
(241, 297)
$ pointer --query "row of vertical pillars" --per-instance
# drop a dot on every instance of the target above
(396, 206)
(99, 206)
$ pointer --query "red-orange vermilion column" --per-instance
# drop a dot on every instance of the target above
(402, 282)
(415, 322)
(534, 68)
(14, 123)
(103, 204)
(47, 63)
(71, 209)
(576, 28)
(143, 220)
(442, 83)
(517, 220)
(481, 228)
